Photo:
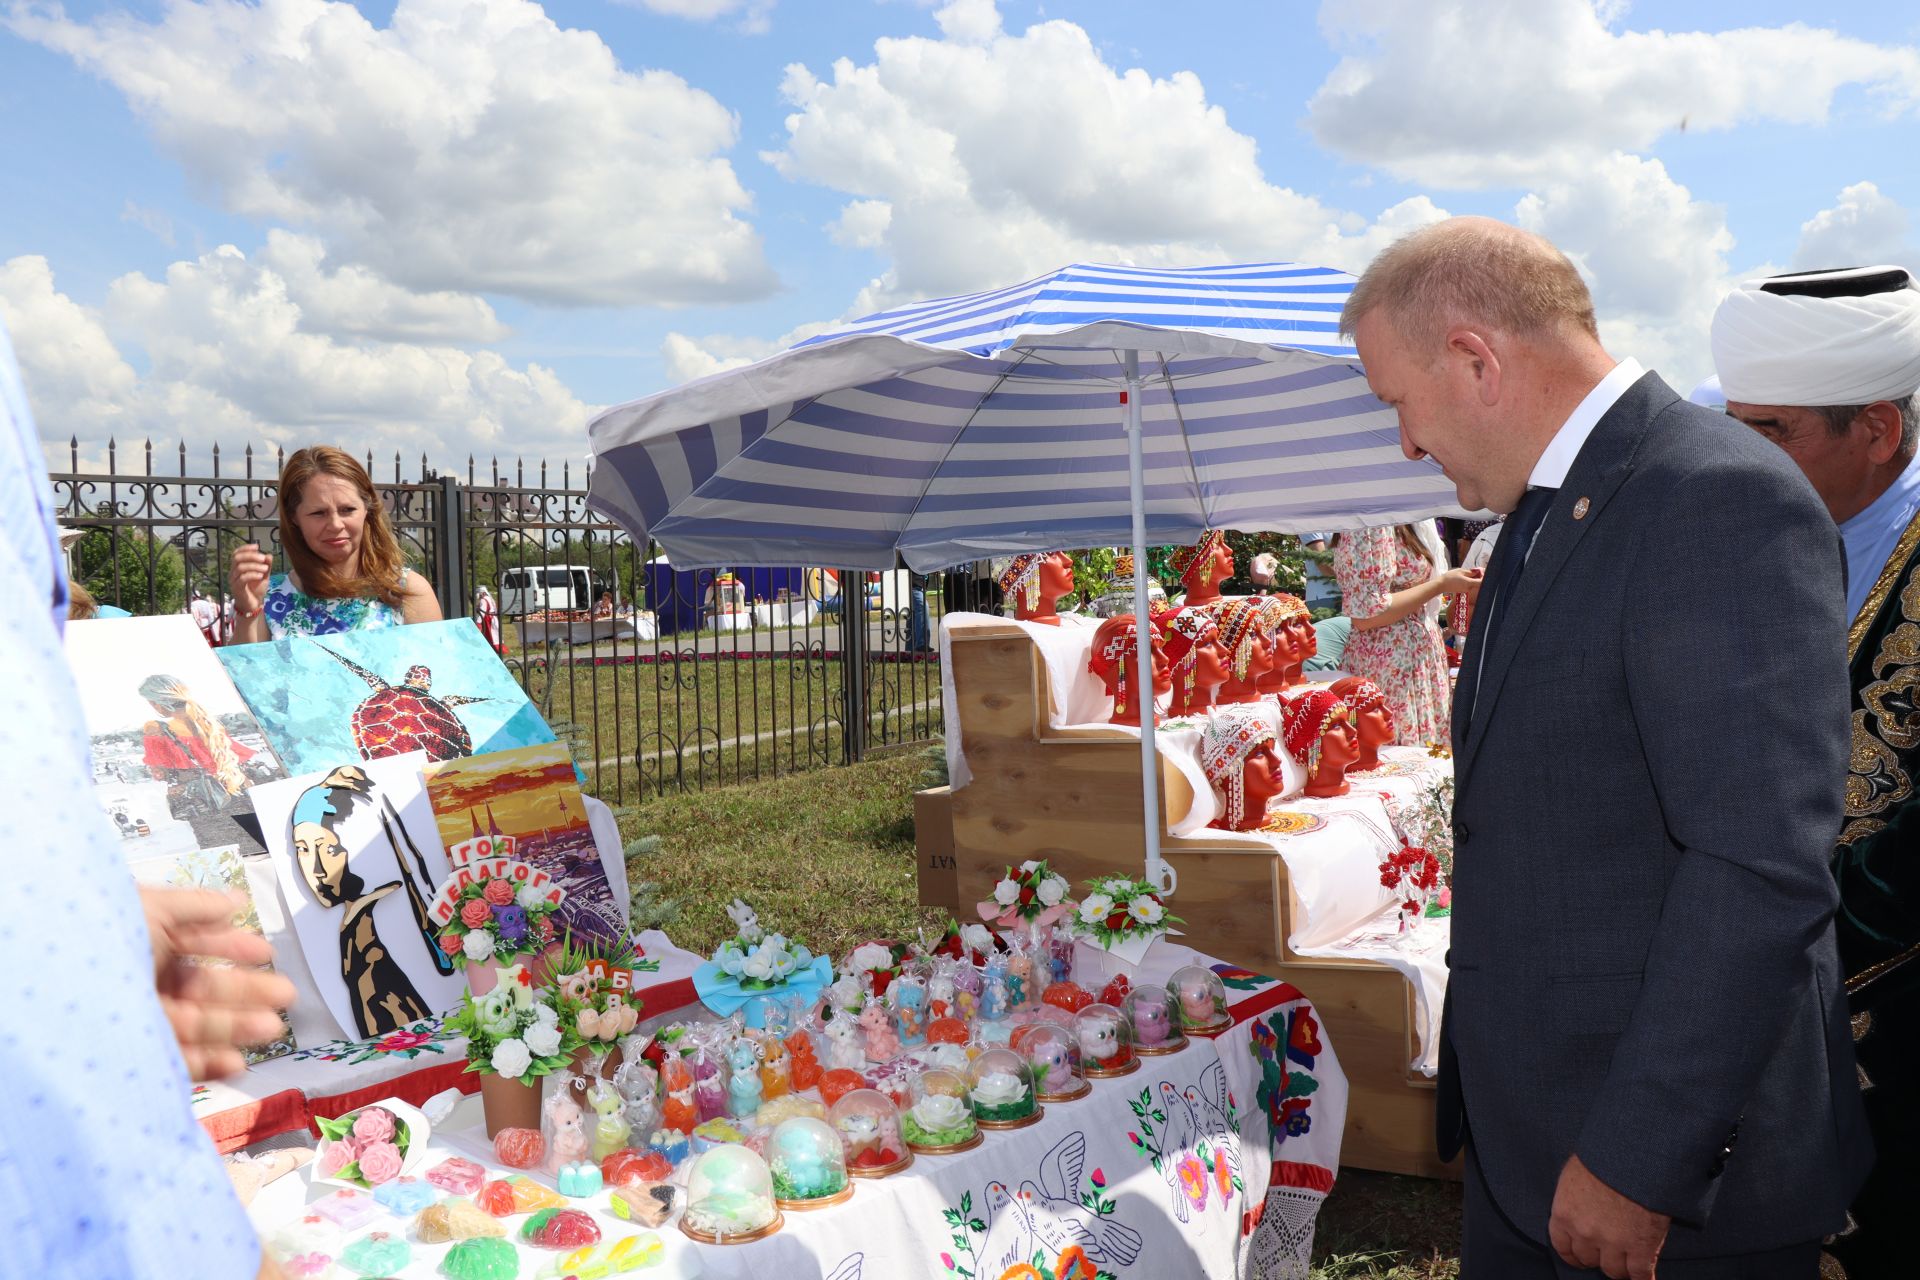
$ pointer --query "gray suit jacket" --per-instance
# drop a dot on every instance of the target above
(1649, 783)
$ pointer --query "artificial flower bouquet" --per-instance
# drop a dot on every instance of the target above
(1032, 892)
(371, 1146)
(873, 965)
(1412, 876)
(973, 943)
(764, 965)
(593, 992)
(515, 1031)
(495, 918)
(1117, 910)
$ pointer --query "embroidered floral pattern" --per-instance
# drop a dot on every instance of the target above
(425, 1036)
(1286, 1045)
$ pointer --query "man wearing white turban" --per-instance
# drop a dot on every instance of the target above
(1827, 364)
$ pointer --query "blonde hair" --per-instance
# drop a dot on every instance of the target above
(1472, 270)
(226, 765)
(80, 603)
(381, 568)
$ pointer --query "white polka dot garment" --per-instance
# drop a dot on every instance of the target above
(103, 1170)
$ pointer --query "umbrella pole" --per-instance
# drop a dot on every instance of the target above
(1158, 873)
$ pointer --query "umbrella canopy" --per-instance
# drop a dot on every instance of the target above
(993, 423)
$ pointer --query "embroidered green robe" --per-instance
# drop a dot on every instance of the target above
(1877, 857)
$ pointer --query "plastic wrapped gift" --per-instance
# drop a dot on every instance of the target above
(717, 1133)
(939, 1119)
(1105, 1040)
(610, 1258)
(1000, 1090)
(1201, 1000)
(1067, 995)
(1156, 1021)
(948, 1031)
(481, 1259)
(730, 1198)
(1056, 1066)
(765, 1013)
(380, 1253)
(786, 1107)
(809, 1164)
(869, 1126)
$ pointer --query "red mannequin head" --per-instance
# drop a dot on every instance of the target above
(1195, 656)
(1116, 660)
(1283, 617)
(1317, 730)
(1236, 750)
(1035, 583)
(1372, 722)
(1248, 654)
(1203, 567)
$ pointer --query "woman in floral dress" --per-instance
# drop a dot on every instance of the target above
(1386, 580)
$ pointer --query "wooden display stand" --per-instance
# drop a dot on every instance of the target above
(1072, 796)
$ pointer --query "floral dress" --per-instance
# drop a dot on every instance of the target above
(1407, 659)
(292, 612)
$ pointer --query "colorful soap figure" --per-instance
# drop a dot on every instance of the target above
(560, 1229)
(678, 1111)
(520, 1148)
(806, 1063)
(1155, 1020)
(1105, 1040)
(876, 1028)
(405, 1196)
(458, 1176)
(1055, 1065)
(379, 1254)
(611, 1128)
(729, 1197)
(454, 1220)
(1200, 997)
(776, 1067)
(807, 1160)
(608, 1258)
(744, 1090)
(869, 1127)
(481, 1259)
(908, 996)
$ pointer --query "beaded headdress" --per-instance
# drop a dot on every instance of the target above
(1021, 574)
(1239, 620)
(1115, 644)
(1199, 556)
(1278, 610)
(1360, 694)
(1305, 722)
(1232, 734)
(1184, 631)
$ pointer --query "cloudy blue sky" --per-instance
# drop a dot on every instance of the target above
(459, 226)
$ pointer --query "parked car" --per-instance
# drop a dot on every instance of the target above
(553, 587)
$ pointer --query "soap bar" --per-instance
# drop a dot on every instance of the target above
(579, 1178)
(529, 1195)
(348, 1209)
(613, 1258)
(455, 1220)
(481, 1260)
(560, 1229)
(378, 1254)
(461, 1177)
(405, 1196)
(519, 1148)
(648, 1204)
(628, 1168)
(308, 1266)
(497, 1199)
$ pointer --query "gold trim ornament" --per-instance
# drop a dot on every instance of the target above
(1198, 555)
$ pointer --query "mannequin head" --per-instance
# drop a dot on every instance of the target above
(1236, 750)
(1317, 730)
(1372, 722)
(1283, 618)
(1195, 657)
(1116, 660)
(1202, 567)
(1249, 656)
(1035, 582)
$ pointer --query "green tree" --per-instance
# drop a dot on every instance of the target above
(131, 569)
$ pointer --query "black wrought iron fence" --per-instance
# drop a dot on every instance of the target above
(664, 679)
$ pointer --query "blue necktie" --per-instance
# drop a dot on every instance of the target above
(1503, 572)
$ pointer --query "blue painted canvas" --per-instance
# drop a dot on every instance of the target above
(434, 687)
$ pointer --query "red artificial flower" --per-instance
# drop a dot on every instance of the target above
(450, 943)
(1027, 896)
(499, 892)
(1116, 920)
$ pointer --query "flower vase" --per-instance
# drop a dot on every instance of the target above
(509, 1104)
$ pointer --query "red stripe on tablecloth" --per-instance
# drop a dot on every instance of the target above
(1309, 1177)
(415, 1087)
(663, 997)
(244, 1125)
(1264, 1001)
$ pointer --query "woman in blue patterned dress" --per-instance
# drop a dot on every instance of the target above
(344, 567)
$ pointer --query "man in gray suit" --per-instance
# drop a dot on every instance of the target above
(1645, 1051)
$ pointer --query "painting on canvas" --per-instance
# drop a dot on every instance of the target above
(222, 871)
(358, 858)
(533, 795)
(365, 695)
(175, 749)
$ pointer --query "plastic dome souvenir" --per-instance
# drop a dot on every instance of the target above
(1105, 1040)
(869, 1125)
(809, 1164)
(1201, 1000)
(1000, 1088)
(730, 1198)
(939, 1121)
(1156, 1021)
(1056, 1067)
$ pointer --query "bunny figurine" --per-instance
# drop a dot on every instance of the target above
(639, 1085)
(776, 1073)
(843, 1044)
(612, 1130)
(566, 1127)
(678, 1111)
(744, 1090)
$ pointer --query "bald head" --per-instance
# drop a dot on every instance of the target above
(1475, 272)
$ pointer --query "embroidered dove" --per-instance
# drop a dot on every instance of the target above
(1176, 1139)
(1009, 1238)
(1213, 1109)
(1060, 1175)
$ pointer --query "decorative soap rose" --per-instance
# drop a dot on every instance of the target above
(375, 1124)
(337, 1156)
(474, 912)
(1052, 889)
(511, 1058)
(938, 1111)
(1006, 893)
(450, 943)
(977, 938)
(478, 945)
(531, 898)
(379, 1162)
(498, 892)
(543, 1039)
(998, 1088)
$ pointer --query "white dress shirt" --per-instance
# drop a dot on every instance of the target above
(1551, 471)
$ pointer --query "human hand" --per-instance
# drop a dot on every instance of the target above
(1461, 582)
(252, 567)
(214, 1010)
(1592, 1225)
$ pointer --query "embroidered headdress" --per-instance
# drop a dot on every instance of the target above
(1184, 630)
(1232, 734)
(1278, 610)
(1021, 575)
(1360, 695)
(1239, 627)
(1306, 721)
(1198, 559)
(1116, 645)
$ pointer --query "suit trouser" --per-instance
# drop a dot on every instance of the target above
(1493, 1248)
(1882, 1247)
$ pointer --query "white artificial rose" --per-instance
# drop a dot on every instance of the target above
(511, 1059)
(869, 956)
(530, 898)
(1006, 893)
(938, 1111)
(1094, 908)
(543, 1039)
(976, 937)
(1051, 890)
(545, 1013)
(1146, 910)
(1029, 864)
(998, 1088)
(478, 945)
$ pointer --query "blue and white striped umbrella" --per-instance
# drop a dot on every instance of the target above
(993, 423)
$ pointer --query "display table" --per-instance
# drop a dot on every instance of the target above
(1212, 1161)
(1034, 777)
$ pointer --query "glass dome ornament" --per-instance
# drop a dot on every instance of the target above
(869, 1126)
(1200, 998)
(730, 1198)
(809, 1164)
(939, 1119)
(1000, 1089)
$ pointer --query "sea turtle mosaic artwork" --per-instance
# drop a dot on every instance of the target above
(397, 718)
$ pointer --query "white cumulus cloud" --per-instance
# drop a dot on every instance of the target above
(469, 145)
(1864, 227)
(752, 16)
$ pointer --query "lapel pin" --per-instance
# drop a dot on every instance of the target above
(1580, 509)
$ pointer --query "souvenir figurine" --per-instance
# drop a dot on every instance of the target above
(776, 1072)
(1202, 567)
(1372, 721)
(1317, 730)
(1248, 654)
(966, 992)
(806, 1065)
(710, 1084)
(1034, 583)
(1236, 753)
(995, 1001)
(730, 1197)
(1060, 955)
(1055, 1073)
(1105, 1041)
(611, 1131)
(1023, 991)
(743, 1086)
(639, 1085)
(809, 1164)
(1201, 998)
(1196, 659)
(564, 1125)
(869, 1125)
(679, 1111)
(844, 1051)
(940, 989)
(1291, 637)
(1155, 1026)
(1115, 660)
(908, 996)
(939, 1120)
(999, 1092)
(876, 1024)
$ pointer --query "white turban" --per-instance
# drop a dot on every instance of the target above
(1775, 345)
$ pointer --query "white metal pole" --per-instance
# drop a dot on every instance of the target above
(1159, 874)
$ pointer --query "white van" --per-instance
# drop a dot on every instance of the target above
(550, 587)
